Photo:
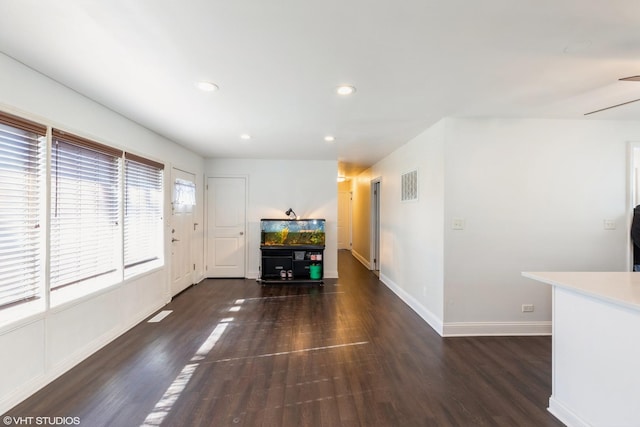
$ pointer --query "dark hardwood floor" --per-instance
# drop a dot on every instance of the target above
(350, 353)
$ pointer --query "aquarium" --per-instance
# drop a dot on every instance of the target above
(292, 232)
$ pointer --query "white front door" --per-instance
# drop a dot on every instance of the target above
(226, 226)
(183, 200)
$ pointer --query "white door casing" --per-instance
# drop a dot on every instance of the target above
(226, 226)
(375, 224)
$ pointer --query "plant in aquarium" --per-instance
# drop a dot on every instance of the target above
(317, 237)
(283, 235)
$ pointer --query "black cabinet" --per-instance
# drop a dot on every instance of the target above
(296, 264)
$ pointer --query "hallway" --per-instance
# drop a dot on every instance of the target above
(350, 353)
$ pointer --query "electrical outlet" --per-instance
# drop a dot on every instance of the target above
(609, 224)
(527, 308)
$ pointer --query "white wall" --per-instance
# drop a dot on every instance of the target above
(307, 186)
(411, 237)
(533, 195)
(37, 349)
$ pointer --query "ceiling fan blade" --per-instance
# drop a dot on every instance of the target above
(631, 79)
(613, 106)
(623, 79)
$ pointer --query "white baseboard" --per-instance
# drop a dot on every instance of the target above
(432, 320)
(565, 415)
(362, 259)
(330, 274)
(457, 329)
(32, 386)
(466, 329)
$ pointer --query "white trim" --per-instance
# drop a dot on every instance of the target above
(30, 387)
(564, 414)
(362, 259)
(351, 218)
(375, 214)
(465, 329)
(330, 274)
(459, 329)
(432, 320)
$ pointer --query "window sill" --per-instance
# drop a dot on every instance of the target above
(12, 318)
(142, 269)
(77, 291)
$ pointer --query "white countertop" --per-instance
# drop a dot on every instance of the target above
(620, 288)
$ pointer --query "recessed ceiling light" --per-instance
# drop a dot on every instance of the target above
(207, 86)
(330, 138)
(245, 136)
(345, 90)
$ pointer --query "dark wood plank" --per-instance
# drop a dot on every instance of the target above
(349, 353)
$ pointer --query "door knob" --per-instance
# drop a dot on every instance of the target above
(174, 240)
(242, 233)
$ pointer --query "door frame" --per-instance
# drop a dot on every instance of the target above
(247, 232)
(376, 192)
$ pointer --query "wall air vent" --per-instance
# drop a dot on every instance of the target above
(409, 186)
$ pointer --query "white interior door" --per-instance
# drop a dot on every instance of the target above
(226, 226)
(344, 220)
(183, 201)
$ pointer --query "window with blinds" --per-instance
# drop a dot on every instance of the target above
(85, 210)
(142, 212)
(105, 215)
(22, 155)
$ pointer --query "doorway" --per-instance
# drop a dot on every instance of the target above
(226, 226)
(183, 203)
(375, 225)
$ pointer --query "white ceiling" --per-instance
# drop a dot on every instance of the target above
(278, 62)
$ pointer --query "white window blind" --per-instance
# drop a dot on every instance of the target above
(85, 240)
(22, 154)
(143, 211)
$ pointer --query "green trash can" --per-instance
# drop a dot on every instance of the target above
(315, 271)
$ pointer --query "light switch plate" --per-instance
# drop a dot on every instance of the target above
(457, 224)
(609, 224)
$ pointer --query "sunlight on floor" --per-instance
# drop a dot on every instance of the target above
(169, 398)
